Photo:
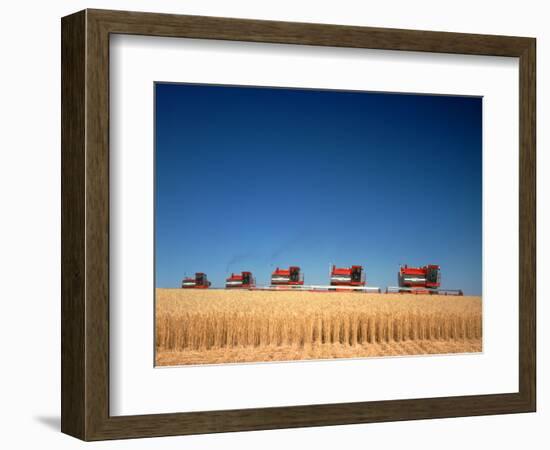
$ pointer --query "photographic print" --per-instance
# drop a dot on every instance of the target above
(300, 224)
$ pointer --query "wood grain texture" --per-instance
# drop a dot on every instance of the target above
(151, 24)
(527, 224)
(73, 226)
(97, 225)
(85, 224)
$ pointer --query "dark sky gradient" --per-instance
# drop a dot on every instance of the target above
(254, 178)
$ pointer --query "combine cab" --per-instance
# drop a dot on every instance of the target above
(244, 280)
(353, 276)
(287, 277)
(199, 282)
(421, 280)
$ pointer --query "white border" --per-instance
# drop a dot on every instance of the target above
(136, 387)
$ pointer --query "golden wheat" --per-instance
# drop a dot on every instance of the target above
(196, 326)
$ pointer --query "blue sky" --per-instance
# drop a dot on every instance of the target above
(253, 178)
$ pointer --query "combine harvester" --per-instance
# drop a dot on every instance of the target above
(353, 276)
(244, 280)
(421, 280)
(349, 279)
(199, 282)
(287, 278)
(341, 279)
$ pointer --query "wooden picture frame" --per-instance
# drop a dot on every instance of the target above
(85, 224)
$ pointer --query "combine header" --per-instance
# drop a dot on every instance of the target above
(199, 282)
(421, 280)
(244, 280)
(287, 277)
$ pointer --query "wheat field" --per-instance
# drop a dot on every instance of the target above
(221, 326)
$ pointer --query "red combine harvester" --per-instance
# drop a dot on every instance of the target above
(287, 277)
(352, 276)
(421, 280)
(244, 280)
(199, 282)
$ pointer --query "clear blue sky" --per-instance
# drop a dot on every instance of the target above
(254, 178)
